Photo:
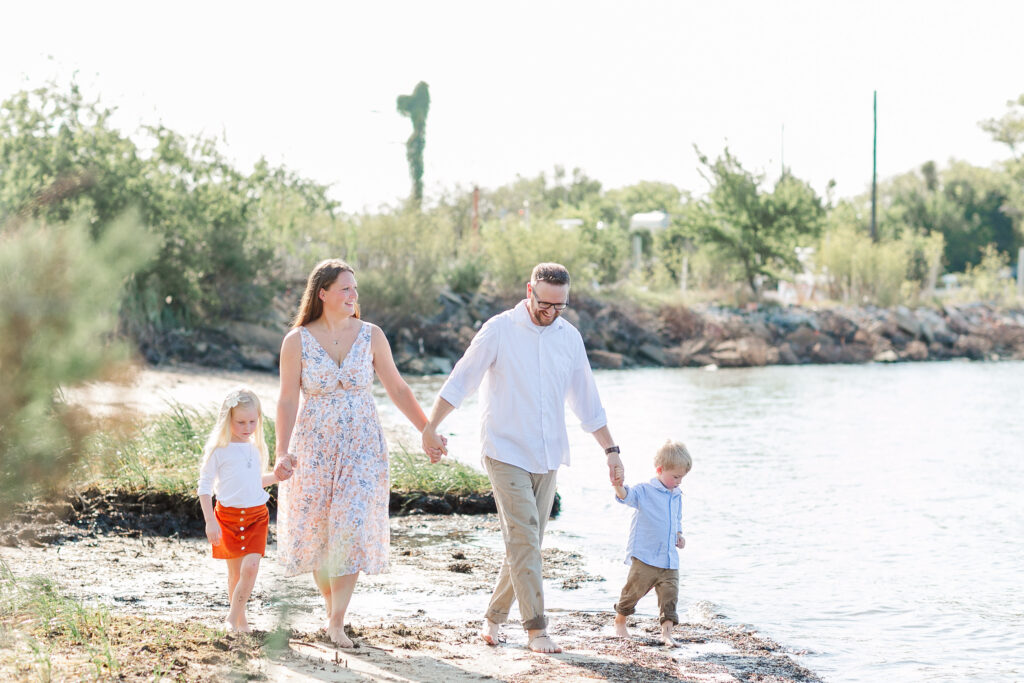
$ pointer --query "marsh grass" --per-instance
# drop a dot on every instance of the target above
(412, 472)
(47, 636)
(164, 455)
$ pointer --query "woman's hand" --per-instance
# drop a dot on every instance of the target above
(434, 445)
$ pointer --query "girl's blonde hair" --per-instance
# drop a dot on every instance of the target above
(220, 435)
(673, 455)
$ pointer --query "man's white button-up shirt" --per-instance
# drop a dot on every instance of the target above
(531, 371)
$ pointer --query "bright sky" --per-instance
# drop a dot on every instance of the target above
(622, 90)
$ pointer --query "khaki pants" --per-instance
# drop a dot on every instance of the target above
(524, 505)
(642, 578)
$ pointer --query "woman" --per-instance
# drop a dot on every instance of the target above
(333, 512)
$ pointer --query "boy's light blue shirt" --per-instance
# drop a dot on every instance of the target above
(656, 524)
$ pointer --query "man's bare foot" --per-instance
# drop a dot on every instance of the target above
(338, 637)
(541, 642)
(666, 634)
(489, 632)
(620, 626)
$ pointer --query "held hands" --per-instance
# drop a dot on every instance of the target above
(434, 445)
(285, 467)
(213, 533)
(615, 469)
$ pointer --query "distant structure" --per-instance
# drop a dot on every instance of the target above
(651, 221)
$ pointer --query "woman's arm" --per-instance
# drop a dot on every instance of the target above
(396, 387)
(287, 401)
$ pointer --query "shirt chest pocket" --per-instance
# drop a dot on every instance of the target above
(558, 363)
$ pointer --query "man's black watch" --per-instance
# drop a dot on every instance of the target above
(611, 449)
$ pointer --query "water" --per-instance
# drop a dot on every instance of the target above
(868, 518)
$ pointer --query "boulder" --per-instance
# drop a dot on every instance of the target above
(654, 353)
(608, 360)
(915, 350)
(255, 335)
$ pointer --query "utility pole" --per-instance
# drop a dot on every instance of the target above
(874, 171)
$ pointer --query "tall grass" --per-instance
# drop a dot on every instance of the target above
(164, 454)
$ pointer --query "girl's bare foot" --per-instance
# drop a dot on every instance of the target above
(489, 632)
(666, 634)
(620, 626)
(540, 641)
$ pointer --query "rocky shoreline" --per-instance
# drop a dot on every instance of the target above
(626, 335)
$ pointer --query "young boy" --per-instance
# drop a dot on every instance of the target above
(654, 536)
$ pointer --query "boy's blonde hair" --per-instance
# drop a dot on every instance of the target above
(673, 455)
(220, 435)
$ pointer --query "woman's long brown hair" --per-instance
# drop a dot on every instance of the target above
(323, 276)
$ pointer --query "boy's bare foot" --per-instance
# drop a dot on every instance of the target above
(620, 626)
(338, 637)
(666, 634)
(489, 632)
(540, 641)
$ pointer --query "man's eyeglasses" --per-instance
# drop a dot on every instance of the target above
(545, 305)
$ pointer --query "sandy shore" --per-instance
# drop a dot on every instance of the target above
(417, 622)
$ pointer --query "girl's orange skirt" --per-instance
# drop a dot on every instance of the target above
(242, 531)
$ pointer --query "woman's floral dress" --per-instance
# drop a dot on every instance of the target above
(333, 511)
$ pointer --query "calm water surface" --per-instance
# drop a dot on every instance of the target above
(868, 518)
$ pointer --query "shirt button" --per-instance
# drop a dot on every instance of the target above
(243, 547)
(243, 538)
(241, 528)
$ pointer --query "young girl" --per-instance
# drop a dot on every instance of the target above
(235, 467)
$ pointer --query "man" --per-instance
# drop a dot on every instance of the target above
(535, 362)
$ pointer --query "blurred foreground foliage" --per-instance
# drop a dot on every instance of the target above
(59, 293)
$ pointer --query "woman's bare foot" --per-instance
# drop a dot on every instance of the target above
(240, 627)
(489, 632)
(666, 634)
(338, 637)
(620, 626)
(540, 641)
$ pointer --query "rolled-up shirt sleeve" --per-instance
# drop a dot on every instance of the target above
(582, 396)
(632, 498)
(469, 371)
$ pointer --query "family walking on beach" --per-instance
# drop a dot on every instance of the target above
(332, 459)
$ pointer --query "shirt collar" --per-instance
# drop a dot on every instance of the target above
(656, 483)
(522, 317)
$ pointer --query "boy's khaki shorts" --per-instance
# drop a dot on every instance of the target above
(642, 578)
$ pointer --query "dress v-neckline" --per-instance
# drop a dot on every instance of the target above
(340, 365)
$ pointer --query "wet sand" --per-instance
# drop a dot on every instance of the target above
(416, 622)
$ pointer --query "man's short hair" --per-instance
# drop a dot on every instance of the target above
(554, 273)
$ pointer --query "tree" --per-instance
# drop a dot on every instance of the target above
(758, 230)
(416, 106)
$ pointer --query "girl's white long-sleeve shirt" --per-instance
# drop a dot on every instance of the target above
(234, 474)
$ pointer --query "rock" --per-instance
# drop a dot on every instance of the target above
(906, 321)
(254, 335)
(855, 353)
(654, 353)
(608, 360)
(257, 358)
(802, 339)
(887, 356)
(786, 355)
(915, 350)
(826, 351)
(974, 346)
